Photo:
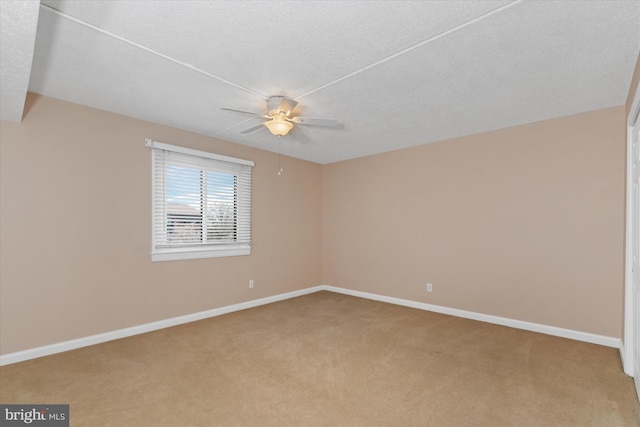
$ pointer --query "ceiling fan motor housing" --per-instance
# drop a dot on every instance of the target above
(277, 105)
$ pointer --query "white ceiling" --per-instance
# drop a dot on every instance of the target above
(395, 74)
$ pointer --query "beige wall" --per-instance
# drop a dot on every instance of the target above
(75, 233)
(525, 223)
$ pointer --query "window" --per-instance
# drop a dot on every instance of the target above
(201, 204)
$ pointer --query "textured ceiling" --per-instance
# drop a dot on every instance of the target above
(18, 23)
(395, 74)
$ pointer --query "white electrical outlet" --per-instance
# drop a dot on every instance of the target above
(250, 284)
(429, 287)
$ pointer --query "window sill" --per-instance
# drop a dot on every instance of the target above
(180, 254)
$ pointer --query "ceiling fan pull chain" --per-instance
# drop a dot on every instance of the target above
(281, 171)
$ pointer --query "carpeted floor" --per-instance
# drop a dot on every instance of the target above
(327, 359)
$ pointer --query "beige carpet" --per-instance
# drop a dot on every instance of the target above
(327, 359)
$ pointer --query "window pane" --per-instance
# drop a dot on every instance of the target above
(183, 205)
(221, 207)
(192, 193)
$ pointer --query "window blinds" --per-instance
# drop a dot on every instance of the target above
(201, 204)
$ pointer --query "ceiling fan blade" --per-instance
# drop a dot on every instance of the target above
(299, 135)
(316, 121)
(252, 129)
(243, 112)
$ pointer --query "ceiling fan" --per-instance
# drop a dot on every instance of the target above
(279, 120)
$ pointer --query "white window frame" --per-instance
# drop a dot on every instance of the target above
(160, 251)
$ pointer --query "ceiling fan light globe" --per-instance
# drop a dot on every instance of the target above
(278, 127)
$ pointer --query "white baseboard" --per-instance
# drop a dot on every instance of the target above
(518, 324)
(627, 365)
(47, 350)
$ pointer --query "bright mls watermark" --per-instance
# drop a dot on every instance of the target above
(36, 415)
